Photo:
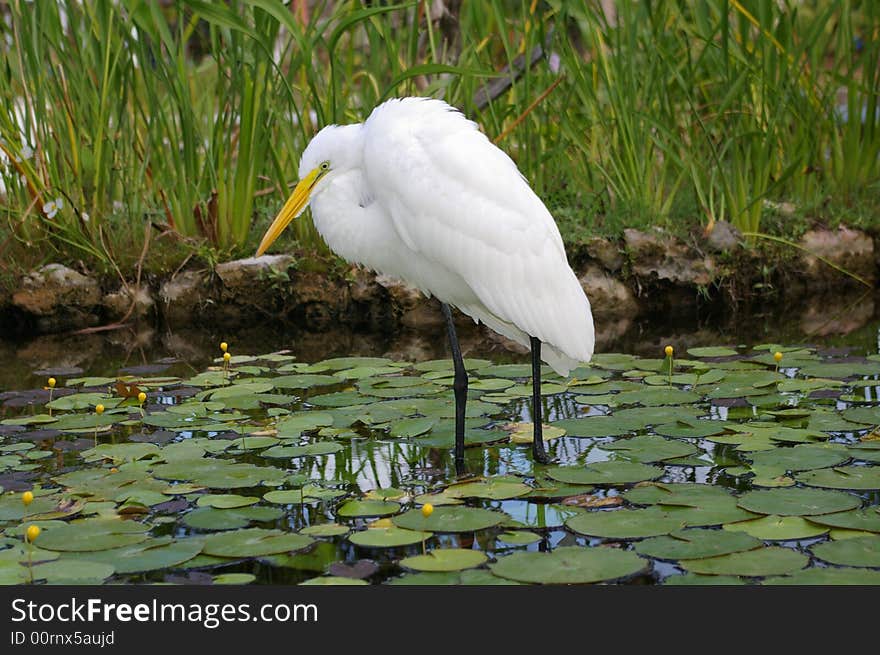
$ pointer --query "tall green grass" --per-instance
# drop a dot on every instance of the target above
(191, 118)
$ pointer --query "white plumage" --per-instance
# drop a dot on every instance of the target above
(419, 193)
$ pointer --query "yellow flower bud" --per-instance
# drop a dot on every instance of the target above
(142, 397)
(99, 409)
(777, 356)
(52, 383)
(427, 510)
(33, 532)
(668, 350)
(224, 346)
(27, 497)
(226, 357)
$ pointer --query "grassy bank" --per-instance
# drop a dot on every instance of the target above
(136, 136)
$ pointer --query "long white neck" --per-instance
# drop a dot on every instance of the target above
(353, 224)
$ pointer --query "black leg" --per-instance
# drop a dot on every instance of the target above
(538, 451)
(459, 386)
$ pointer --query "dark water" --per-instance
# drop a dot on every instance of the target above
(850, 320)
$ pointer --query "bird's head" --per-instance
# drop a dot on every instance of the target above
(335, 149)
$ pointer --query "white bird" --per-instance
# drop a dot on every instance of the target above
(419, 193)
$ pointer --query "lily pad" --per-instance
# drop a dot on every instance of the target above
(696, 543)
(208, 518)
(445, 559)
(149, 555)
(449, 519)
(253, 542)
(325, 530)
(650, 448)
(694, 579)
(391, 537)
(797, 502)
(569, 565)
(334, 581)
(843, 477)
(491, 488)
(867, 519)
(72, 572)
(860, 551)
(770, 560)
(624, 523)
(799, 458)
(605, 473)
(519, 537)
(226, 501)
(827, 576)
(234, 578)
(778, 528)
(358, 508)
(93, 534)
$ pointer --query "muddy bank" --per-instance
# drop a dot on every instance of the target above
(643, 273)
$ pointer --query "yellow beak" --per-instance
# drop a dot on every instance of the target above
(294, 206)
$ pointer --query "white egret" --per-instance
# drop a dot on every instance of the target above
(419, 193)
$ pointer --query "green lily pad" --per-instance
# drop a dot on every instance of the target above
(468, 577)
(695, 544)
(234, 578)
(695, 429)
(93, 534)
(449, 519)
(778, 528)
(72, 572)
(358, 508)
(799, 458)
(149, 555)
(226, 501)
(325, 530)
(519, 537)
(219, 473)
(860, 551)
(445, 559)
(605, 473)
(491, 488)
(677, 493)
(208, 518)
(711, 351)
(305, 381)
(862, 415)
(293, 425)
(253, 542)
(827, 576)
(708, 513)
(392, 537)
(308, 450)
(569, 565)
(867, 520)
(624, 523)
(694, 579)
(412, 427)
(770, 560)
(650, 448)
(598, 426)
(797, 502)
(334, 581)
(843, 477)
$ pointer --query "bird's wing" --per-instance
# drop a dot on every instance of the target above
(459, 201)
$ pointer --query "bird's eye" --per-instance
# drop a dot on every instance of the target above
(325, 166)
